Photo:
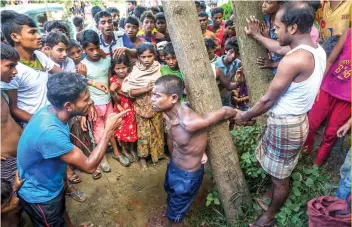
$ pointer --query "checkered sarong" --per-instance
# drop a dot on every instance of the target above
(279, 146)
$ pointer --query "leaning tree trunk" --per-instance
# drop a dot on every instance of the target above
(188, 42)
(257, 79)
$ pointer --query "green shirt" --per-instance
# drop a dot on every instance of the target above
(165, 70)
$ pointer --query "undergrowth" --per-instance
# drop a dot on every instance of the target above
(306, 183)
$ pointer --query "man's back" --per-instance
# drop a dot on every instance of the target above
(42, 143)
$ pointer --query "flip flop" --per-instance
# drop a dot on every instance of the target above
(74, 178)
(104, 165)
(269, 224)
(129, 157)
(122, 159)
(97, 174)
(77, 195)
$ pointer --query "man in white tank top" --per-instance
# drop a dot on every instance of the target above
(290, 96)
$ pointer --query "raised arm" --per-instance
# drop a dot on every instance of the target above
(18, 113)
(89, 164)
(194, 122)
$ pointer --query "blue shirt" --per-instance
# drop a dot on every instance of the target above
(42, 143)
(274, 56)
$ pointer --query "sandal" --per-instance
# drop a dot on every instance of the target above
(268, 224)
(104, 165)
(86, 224)
(122, 159)
(97, 174)
(76, 195)
(74, 178)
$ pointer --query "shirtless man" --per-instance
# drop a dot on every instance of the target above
(187, 130)
(10, 130)
(203, 20)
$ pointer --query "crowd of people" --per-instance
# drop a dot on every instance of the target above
(116, 85)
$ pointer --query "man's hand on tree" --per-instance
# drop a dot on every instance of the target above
(253, 27)
(265, 63)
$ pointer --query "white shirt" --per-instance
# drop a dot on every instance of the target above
(67, 66)
(31, 84)
(117, 42)
(299, 97)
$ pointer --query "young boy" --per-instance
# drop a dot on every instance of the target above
(111, 41)
(57, 44)
(78, 23)
(148, 32)
(203, 20)
(130, 38)
(58, 25)
(171, 67)
(218, 28)
(188, 132)
(115, 13)
(98, 69)
(161, 25)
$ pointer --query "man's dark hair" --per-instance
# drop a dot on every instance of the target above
(113, 10)
(232, 44)
(59, 24)
(133, 2)
(89, 36)
(95, 10)
(12, 22)
(171, 84)
(123, 59)
(6, 191)
(300, 13)
(154, 9)
(202, 6)
(65, 87)
(228, 23)
(138, 11)
(131, 20)
(203, 14)
(216, 11)
(145, 46)
(43, 40)
(315, 5)
(8, 52)
(122, 22)
(73, 43)
(148, 15)
(169, 49)
(77, 21)
(46, 25)
(197, 2)
(100, 15)
(54, 38)
(209, 43)
(160, 16)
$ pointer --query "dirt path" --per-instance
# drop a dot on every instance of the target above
(126, 197)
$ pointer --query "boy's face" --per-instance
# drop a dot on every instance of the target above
(8, 69)
(161, 25)
(121, 70)
(161, 101)
(147, 58)
(230, 31)
(131, 30)
(58, 53)
(270, 7)
(93, 52)
(130, 6)
(28, 38)
(148, 25)
(115, 17)
(211, 54)
(217, 19)
(230, 55)
(105, 26)
(203, 23)
(171, 61)
(161, 55)
(75, 53)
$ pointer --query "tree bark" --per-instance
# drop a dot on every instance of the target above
(258, 80)
(188, 42)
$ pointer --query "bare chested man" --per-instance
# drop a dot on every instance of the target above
(10, 130)
(204, 21)
(188, 132)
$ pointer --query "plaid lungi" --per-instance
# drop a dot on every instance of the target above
(281, 142)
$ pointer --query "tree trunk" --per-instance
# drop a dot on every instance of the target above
(257, 79)
(188, 42)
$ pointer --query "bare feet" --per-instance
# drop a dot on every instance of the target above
(263, 222)
(144, 164)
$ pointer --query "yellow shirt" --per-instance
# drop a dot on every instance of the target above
(333, 22)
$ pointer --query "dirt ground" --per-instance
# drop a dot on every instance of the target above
(126, 197)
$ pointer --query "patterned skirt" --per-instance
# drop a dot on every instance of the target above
(280, 144)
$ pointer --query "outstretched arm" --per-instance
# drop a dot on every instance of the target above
(194, 122)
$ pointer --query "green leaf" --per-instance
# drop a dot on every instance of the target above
(295, 207)
(216, 201)
(296, 191)
(296, 183)
(309, 182)
(208, 203)
(296, 176)
(210, 197)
